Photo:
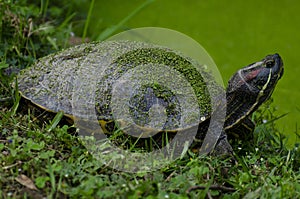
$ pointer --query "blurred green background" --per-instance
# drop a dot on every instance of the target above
(234, 33)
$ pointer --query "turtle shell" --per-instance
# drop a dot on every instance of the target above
(133, 82)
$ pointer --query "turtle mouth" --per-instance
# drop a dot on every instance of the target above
(281, 73)
(281, 70)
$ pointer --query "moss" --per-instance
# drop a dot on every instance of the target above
(156, 92)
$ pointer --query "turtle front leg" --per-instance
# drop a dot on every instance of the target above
(222, 146)
(209, 141)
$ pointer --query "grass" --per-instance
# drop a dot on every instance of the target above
(60, 166)
(43, 158)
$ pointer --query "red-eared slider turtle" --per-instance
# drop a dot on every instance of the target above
(117, 79)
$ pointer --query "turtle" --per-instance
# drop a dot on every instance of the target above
(117, 83)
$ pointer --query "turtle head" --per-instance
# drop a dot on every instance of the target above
(252, 85)
(260, 77)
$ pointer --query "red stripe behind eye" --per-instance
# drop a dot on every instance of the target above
(252, 74)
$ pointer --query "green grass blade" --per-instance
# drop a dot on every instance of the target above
(3, 65)
(86, 25)
(44, 7)
(17, 98)
(52, 42)
(276, 118)
(56, 120)
(110, 30)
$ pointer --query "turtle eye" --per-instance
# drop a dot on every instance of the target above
(270, 63)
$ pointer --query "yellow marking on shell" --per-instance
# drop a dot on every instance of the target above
(45, 108)
(103, 124)
(260, 94)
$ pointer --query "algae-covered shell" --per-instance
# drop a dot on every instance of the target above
(152, 85)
